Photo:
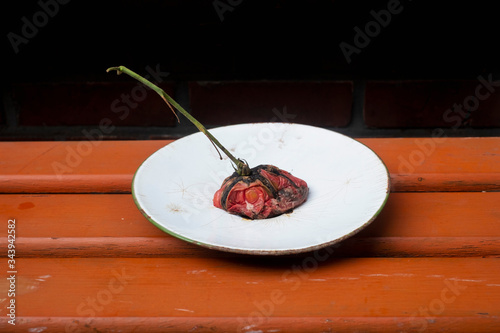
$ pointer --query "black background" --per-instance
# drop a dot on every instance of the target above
(289, 40)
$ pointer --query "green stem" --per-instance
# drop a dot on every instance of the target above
(241, 166)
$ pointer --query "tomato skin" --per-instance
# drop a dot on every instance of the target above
(267, 192)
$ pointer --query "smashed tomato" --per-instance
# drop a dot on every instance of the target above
(266, 192)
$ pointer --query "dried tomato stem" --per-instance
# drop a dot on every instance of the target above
(241, 166)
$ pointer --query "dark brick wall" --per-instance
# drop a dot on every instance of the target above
(422, 104)
(70, 104)
(372, 68)
(316, 103)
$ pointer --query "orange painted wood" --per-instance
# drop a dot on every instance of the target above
(443, 155)
(486, 324)
(72, 167)
(87, 260)
(88, 183)
(170, 247)
(440, 182)
(315, 286)
(451, 214)
(440, 163)
(411, 224)
(415, 164)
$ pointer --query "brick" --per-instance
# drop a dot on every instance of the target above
(317, 103)
(25, 137)
(1, 114)
(67, 104)
(428, 104)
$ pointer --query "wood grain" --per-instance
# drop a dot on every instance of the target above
(170, 247)
(415, 164)
(297, 287)
(449, 214)
(88, 261)
(107, 225)
(478, 324)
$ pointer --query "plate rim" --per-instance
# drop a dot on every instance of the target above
(263, 251)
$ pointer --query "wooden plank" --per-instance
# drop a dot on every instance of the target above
(486, 324)
(440, 163)
(316, 286)
(453, 214)
(441, 182)
(171, 285)
(75, 215)
(102, 183)
(72, 167)
(437, 155)
(411, 224)
(422, 164)
(75, 157)
(170, 247)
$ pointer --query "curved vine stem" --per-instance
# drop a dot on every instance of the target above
(241, 166)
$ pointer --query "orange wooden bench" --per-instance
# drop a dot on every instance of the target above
(86, 260)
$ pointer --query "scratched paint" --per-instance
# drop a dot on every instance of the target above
(24, 285)
(184, 310)
(197, 271)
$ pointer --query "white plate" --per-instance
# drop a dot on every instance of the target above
(348, 187)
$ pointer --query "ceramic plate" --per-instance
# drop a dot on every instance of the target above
(348, 187)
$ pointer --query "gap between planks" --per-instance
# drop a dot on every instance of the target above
(131, 247)
(122, 183)
(269, 324)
